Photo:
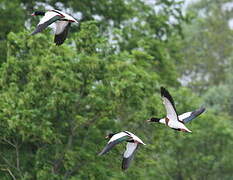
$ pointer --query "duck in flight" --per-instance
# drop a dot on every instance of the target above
(172, 119)
(61, 20)
(133, 143)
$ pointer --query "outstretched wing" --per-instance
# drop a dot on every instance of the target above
(45, 21)
(116, 139)
(189, 116)
(135, 138)
(169, 105)
(129, 154)
(66, 16)
(62, 29)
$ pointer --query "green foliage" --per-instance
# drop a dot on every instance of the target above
(13, 17)
(206, 46)
(61, 101)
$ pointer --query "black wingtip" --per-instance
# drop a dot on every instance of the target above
(102, 152)
(162, 90)
(199, 111)
(165, 93)
(59, 40)
(125, 164)
(202, 109)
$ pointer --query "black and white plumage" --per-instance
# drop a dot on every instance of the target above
(128, 155)
(61, 20)
(114, 140)
(172, 119)
(132, 145)
(189, 116)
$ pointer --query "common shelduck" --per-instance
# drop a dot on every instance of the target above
(172, 119)
(61, 20)
(132, 144)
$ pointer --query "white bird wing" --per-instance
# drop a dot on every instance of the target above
(66, 16)
(135, 137)
(60, 26)
(118, 136)
(169, 105)
(116, 139)
(49, 18)
(189, 116)
(129, 154)
(62, 29)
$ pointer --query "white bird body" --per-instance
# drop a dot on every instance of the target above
(172, 119)
(178, 125)
(174, 124)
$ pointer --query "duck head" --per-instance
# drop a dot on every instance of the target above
(153, 119)
(38, 13)
(110, 135)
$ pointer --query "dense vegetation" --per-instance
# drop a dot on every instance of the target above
(58, 103)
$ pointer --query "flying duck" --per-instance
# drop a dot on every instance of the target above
(132, 144)
(61, 20)
(172, 119)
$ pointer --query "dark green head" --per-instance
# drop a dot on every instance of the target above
(153, 119)
(110, 135)
(38, 13)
